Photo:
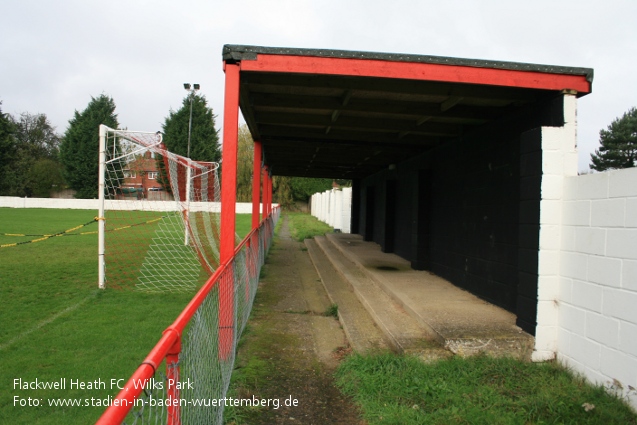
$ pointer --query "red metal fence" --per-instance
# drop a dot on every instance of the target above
(187, 373)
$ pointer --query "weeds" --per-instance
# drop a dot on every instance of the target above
(331, 311)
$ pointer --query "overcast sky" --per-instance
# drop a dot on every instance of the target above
(55, 55)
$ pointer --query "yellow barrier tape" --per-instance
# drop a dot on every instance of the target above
(68, 232)
(136, 224)
(43, 237)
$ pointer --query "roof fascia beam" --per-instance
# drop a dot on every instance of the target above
(415, 71)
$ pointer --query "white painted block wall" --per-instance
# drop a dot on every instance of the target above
(333, 207)
(559, 161)
(587, 263)
(92, 204)
(597, 331)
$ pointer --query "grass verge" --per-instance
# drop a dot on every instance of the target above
(305, 226)
(481, 390)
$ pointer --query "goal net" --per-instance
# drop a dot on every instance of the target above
(159, 214)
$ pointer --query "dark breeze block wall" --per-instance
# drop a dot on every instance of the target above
(479, 211)
(529, 228)
(472, 214)
(474, 217)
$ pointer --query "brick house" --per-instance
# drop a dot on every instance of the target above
(141, 179)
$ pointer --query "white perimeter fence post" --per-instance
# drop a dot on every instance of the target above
(337, 215)
(327, 204)
(334, 207)
(346, 210)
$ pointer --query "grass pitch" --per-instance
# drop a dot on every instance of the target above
(58, 327)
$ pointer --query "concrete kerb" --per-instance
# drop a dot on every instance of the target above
(400, 330)
(466, 324)
(381, 282)
(359, 329)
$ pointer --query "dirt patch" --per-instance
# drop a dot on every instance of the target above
(290, 349)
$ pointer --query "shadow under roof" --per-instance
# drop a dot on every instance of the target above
(347, 114)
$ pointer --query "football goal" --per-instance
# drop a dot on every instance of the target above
(159, 214)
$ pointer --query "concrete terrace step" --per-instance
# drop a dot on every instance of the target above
(362, 334)
(460, 321)
(400, 331)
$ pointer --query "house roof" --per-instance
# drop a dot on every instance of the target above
(348, 114)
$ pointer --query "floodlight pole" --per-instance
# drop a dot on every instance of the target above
(191, 94)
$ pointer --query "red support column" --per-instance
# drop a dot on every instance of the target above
(228, 205)
(249, 248)
(265, 191)
(256, 185)
(269, 203)
(229, 161)
(270, 182)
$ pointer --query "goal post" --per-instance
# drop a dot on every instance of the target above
(158, 214)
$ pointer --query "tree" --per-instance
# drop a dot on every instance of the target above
(204, 138)
(304, 188)
(36, 164)
(32, 140)
(7, 151)
(79, 150)
(282, 191)
(286, 190)
(36, 136)
(43, 176)
(245, 165)
(618, 144)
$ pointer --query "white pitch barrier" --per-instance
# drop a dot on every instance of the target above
(92, 204)
(333, 207)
